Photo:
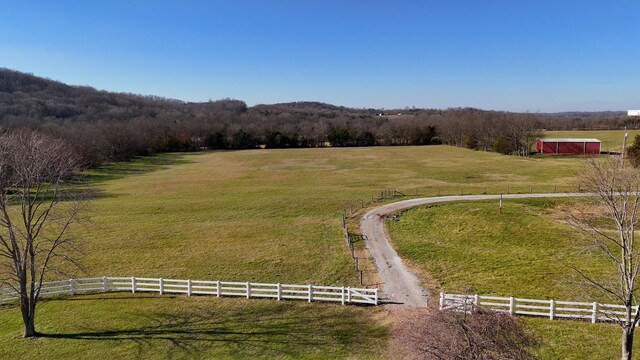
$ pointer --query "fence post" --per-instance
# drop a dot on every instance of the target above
(279, 291)
(342, 299)
(310, 293)
(72, 288)
(133, 284)
(376, 295)
(512, 305)
(555, 188)
(104, 283)
(349, 294)
(361, 282)
(441, 300)
(362, 203)
(161, 284)
(594, 314)
(189, 287)
(476, 301)
(217, 288)
(551, 310)
(248, 290)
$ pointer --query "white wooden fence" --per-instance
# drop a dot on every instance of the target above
(551, 309)
(344, 295)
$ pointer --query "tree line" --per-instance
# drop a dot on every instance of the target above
(106, 126)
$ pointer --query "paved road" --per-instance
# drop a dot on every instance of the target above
(399, 284)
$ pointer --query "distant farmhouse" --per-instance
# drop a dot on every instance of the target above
(568, 146)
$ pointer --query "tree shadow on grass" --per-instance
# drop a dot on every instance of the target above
(137, 166)
(248, 330)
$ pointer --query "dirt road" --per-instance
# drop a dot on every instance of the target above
(399, 284)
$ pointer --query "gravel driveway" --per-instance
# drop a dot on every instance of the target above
(400, 286)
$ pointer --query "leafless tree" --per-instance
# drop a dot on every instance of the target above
(615, 187)
(37, 206)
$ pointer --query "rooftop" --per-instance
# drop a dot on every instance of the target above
(568, 140)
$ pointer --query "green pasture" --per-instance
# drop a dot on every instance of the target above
(258, 215)
(152, 326)
(269, 215)
(527, 251)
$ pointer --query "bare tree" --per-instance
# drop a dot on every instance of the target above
(37, 206)
(615, 188)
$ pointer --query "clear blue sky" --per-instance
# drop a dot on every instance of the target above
(506, 55)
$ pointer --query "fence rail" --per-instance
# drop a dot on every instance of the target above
(552, 309)
(341, 294)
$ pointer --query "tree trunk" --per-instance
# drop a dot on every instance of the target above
(627, 342)
(29, 326)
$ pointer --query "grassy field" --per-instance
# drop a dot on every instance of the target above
(524, 252)
(611, 139)
(255, 215)
(260, 215)
(120, 326)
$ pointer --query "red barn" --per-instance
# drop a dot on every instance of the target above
(568, 146)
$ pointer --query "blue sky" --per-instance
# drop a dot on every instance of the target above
(504, 55)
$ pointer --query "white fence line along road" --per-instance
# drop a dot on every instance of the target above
(551, 309)
(310, 293)
(399, 284)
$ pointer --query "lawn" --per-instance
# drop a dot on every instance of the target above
(256, 215)
(524, 252)
(259, 215)
(124, 326)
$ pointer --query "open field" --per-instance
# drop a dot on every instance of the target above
(118, 326)
(255, 215)
(260, 215)
(524, 252)
(611, 139)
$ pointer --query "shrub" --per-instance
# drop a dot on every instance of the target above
(454, 335)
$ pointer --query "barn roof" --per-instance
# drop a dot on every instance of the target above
(569, 140)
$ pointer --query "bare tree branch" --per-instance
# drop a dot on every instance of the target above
(35, 214)
(615, 187)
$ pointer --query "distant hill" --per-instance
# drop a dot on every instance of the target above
(29, 98)
(109, 126)
(586, 114)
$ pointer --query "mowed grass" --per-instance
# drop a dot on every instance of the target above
(611, 139)
(260, 215)
(269, 215)
(127, 326)
(524, 252)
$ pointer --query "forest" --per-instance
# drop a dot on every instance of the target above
(107, 126)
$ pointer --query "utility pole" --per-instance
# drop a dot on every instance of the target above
(624, 143)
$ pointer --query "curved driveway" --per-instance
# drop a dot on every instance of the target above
(400, 285)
